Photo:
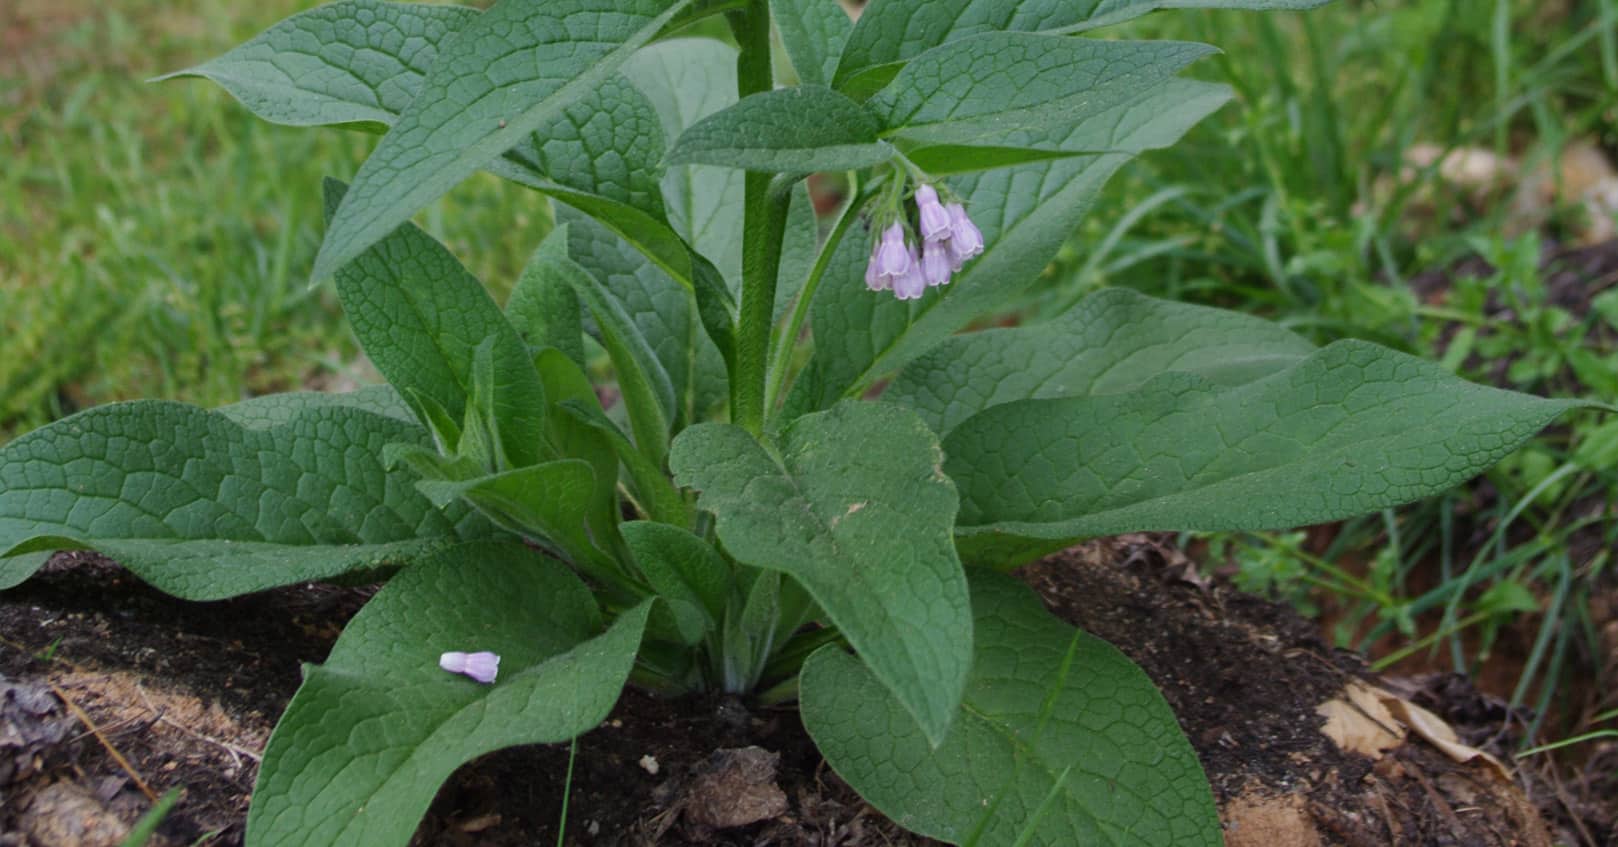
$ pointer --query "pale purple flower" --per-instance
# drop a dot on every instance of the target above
(965, 240)
(935, 220)
(874, 280)
(910, 285)
(480, 666)
(935, 263)
(892, 257)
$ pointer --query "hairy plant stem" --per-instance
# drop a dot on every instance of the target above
(764, 224)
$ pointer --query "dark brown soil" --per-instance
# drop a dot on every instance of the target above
(187, 693)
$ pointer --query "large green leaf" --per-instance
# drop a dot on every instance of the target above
(1026, 214)
(813, 32)
(688, 79)
(798, 130)
(566, 383)
(421, 316)
(654, 491)
(1060, 740)
(550, 501)
(203, 507)
(14, 570)
(891, 32)
(686, 573)
(1350, 429)
(276, 409)
(648, 394)
(368, 738)
(1112, 341)
(350, 62)
(1109, 12)
(1017, 89)
(865, 530)
(680, 565)
(606, 145)
(664, 313)
(505, 74)
(542, 306)
(361, 62)
(603, 156)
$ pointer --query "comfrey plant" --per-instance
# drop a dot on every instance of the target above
(742, 515)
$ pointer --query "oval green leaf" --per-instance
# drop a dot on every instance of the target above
(797, 130)
(504, 75)
(857, 510)
(1112, 341)
(1060, 741)
(203, 507)
(1350, 429)
(364, 744)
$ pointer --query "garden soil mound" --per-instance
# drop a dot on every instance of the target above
(111, 693)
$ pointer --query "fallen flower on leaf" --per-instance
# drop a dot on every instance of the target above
(481, 666)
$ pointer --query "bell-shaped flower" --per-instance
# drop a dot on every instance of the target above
(911, 284)
(935, 263)
(892, 257)
(965, 239)
(873, 280)
(934, 218)
(482, 666)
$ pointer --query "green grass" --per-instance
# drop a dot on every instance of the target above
(1291, 204)
(155, 239)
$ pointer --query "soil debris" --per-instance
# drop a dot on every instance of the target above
(1248, 680)
(35, 732)
(188, 692)
(735, 788)
(63, 813)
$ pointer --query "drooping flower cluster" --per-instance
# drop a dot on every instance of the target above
(948, 240)
(482, 666)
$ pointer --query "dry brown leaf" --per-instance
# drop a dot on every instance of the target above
(1439, 734)
(1357, 721)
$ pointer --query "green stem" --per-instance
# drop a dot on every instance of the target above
(781, 361)
(764, 223)
(567, 792)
